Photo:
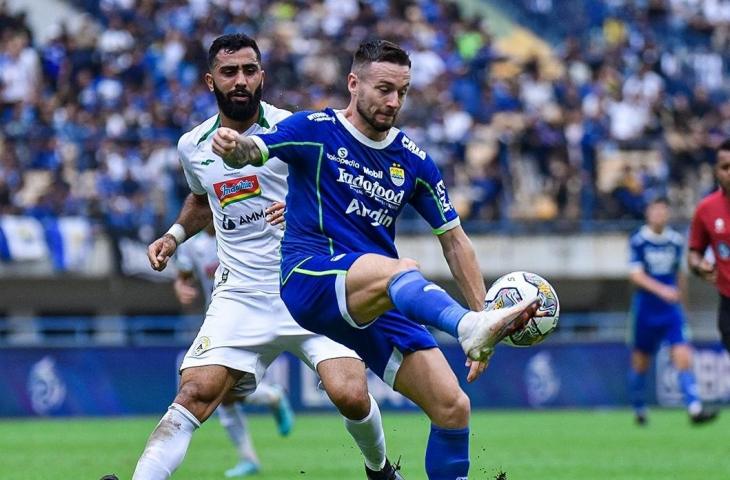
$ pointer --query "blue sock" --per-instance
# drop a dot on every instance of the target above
(447, 454)
(425, 302)
(637, 385)
(688, 385)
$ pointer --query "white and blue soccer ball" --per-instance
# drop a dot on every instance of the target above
(517, 286)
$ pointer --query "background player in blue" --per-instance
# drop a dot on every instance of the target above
(656, 253)
(350, 175)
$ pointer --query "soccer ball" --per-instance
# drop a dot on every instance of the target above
(517, 286)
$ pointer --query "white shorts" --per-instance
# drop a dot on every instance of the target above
(246, 331)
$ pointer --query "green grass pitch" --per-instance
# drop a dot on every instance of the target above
(547, 445)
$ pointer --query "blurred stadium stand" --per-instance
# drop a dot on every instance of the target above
(551, 134)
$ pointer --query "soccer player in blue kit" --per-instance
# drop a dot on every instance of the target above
(656, 253)
(350, 175)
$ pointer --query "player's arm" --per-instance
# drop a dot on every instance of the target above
(699, 265)
(683, 287)
(699, 240)
(238, 150)
(667, 293)
(194, 216)
(291, 140)
(462, 259)
(185, 288)
(431, 200)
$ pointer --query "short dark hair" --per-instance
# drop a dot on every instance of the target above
(725, 145)
(371, 51)
(232, 42)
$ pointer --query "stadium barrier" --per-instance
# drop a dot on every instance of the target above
(142, 380)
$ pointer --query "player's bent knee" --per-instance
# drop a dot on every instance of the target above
(405, 264)
(351, 399)
(453, 411)
(194, 394)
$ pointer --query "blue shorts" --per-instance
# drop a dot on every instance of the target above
(314, 293)
(650, 330)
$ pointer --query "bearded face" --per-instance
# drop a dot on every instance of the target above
(238, 104)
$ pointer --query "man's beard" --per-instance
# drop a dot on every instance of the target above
(370, 119)
(235, 110)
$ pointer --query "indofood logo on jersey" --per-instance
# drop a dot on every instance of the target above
(372, 189)
(237, 189)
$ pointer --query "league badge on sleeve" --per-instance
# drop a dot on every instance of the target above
(719, 225)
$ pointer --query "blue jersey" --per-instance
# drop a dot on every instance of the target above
(346, 190)
(659, 255)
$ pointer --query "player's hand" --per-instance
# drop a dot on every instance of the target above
(224, 141)
(670, 294)
(160, 251)
(275, 214)
(707, 271)
(475, 369)
(184, 291)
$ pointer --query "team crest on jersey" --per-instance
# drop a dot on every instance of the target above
(397, 175)
(719, 225)
(237, 189)
(201, 345)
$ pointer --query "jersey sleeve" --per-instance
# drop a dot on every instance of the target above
(193, 181)
(636, 254)
(699, 237)
(289, 139)
(431, 199)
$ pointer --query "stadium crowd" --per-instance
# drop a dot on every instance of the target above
(91, 116)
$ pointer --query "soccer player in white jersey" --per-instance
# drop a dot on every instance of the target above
(246, 325)
(197, 262)
(351, 173)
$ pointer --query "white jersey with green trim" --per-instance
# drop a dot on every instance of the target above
(248, 247)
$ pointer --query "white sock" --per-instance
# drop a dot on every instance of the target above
(234, 421)
(369, 436)
(167, 444)
(265, 395)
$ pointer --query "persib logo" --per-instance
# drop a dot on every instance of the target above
(237, 189)
(397, 175)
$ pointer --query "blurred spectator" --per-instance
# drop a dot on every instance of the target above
(90, 118)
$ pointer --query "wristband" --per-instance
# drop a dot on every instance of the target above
(178, 233)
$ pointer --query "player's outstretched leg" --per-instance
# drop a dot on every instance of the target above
(376, 284)
(345, 383)
(426, 378)
(233, 420)
(274, 397)
(201, 390)
(477, 332)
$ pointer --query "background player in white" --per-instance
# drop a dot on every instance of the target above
(351, 175)
(197, 261)
(247, 324)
